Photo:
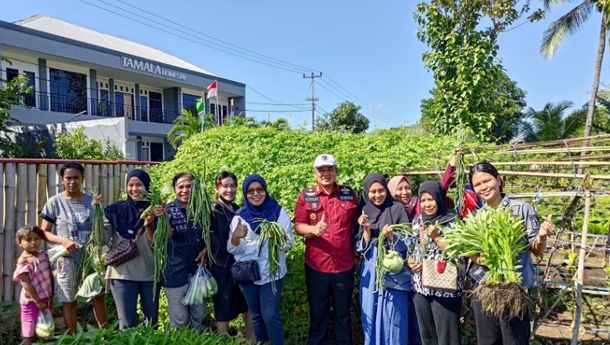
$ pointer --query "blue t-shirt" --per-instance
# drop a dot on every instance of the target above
(183, 246)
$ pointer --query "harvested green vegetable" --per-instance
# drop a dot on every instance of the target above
(94, 249)
(498, 238)
(272, 233)
(201, 286)
(460, 168)
(199, 210)
(388, 260)
(160, 238)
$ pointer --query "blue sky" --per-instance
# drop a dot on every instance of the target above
(366, 50)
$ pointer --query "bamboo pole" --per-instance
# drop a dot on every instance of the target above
(116, 187)
(103, 187)
(109, 197)
(124, 173)
(9, 232)
(553, 150)
(88, 176)
(3, 233)
(561, 141)
(43, 183)
(580, 158)
(96, 176)
(539, 162)
(32, 215)
(522, 173)
(580, 273)
(52, 176)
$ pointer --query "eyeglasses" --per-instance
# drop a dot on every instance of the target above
(259, 191)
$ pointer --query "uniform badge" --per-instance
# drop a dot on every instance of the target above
(311, 199)
(346, 194)
(313, 216)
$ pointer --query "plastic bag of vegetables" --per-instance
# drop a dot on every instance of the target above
(45, 327)
(201, 286)
(91, 286)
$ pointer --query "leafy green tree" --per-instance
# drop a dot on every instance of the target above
(75, 145)
(569, 23)
(346, 118)
(185, 126)
(11, 94)
(471, 87)
(551, 123)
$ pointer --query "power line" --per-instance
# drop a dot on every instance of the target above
(212, 42)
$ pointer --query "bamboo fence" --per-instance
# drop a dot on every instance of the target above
(25, 186)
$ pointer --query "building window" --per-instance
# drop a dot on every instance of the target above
(11, 74)
(143, 108)
(68, 91)
(189, 102)
(30, 99)
(155, 107)
(124, 104)
(103, 107)
(156, 152)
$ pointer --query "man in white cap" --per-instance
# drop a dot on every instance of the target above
(326, 215)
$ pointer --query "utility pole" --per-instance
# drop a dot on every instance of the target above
(313, 98)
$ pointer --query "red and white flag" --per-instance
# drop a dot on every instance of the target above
(213, 89)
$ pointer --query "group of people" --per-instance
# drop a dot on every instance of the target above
(340, 231)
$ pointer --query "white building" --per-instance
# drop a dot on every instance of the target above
(80, 74)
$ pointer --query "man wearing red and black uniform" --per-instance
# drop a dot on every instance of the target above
(327, 216)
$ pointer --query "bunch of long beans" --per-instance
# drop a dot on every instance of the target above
(199, 210)
(498, 239)
(272, 233)
(93, 252)
(162, 232)
(460, 168)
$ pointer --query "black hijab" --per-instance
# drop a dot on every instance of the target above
(388, 213)
(443, 214)
(124, 216)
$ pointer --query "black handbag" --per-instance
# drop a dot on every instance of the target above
(245, 272)
(123, 252)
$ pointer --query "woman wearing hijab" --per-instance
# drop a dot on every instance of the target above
(401, 189)
(437, 311)
(262, 295)
(135, 277)
(384, 313)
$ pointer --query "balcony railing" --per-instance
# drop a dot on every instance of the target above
(94, 106)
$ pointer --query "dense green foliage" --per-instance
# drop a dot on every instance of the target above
(346, 118)
(75, 145)
(471, 86)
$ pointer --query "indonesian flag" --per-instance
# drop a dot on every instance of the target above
(213, 89)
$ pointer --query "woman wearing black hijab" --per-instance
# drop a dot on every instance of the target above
(384, 313)
(134, 277)
(438, 311)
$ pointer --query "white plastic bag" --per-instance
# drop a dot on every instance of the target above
(45, 327)
(197, 291)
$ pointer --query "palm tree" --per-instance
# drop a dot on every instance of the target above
(569, 23)
(185, 126)
(550, 123)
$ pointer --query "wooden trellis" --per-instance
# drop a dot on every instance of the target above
(587, 174)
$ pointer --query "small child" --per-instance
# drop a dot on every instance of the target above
(34, 272)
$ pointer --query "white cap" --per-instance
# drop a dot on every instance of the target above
(324, 160)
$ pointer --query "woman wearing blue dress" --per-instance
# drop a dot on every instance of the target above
(384, 312)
